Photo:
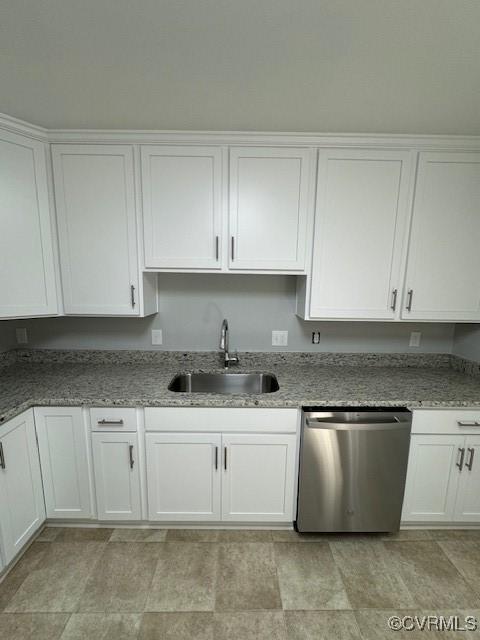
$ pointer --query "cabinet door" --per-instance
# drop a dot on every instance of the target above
(360, 232)
(182, 202)
(94, 192)
(258, 477)
(183, 476)
(27, 275)
(22, 510)
(64, 457)
(269, 208)
(444, 260)
(117, 476)
(467, 508)
(432, 478)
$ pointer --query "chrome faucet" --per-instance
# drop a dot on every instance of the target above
(227, 358)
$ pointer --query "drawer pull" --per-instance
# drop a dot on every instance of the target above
(105, 423)
(461, 451)
(469, 464)
(130, 456)
(468, 423)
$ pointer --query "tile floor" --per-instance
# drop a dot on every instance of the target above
(134, 584)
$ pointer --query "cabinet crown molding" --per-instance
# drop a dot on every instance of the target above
(227, 138)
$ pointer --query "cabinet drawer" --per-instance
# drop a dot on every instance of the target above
(113, 419)
(221, 419)
(447, 421)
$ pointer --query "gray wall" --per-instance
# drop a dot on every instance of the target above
(192, 308)
(466, 341)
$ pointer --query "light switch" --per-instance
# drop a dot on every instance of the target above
(21, 334)
(157, 336)
(279, 338)
(415, 338)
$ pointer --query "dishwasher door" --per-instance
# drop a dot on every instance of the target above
(353, 466)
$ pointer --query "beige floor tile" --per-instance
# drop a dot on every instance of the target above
(247, 578)
(74, 534)
(370, 576)
(250, 625)
(465, 556)
(27, 563)
(121, 579)
(455, 534)
(244, 535)
(429, 576)
(374, 625)
(57, 581)
(48, 534)
(32, 626)
(293, 536)
(100, 626)
(192, 535)
(177, 626)
(308, 577)
(409, 534)
(322, 625)
(185, 578)
(138, 535)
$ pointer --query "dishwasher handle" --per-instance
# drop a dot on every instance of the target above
(357, 426)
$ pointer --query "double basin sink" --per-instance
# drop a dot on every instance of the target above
(228, 383)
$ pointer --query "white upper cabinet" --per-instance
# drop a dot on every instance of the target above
(27, 273)
(360, 231)
(182, 207)
(95, 199)
(269, 208)
(443, 275)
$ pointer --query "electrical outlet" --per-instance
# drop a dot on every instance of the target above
(315, 337)
(415, 338)
(21, 335)
(157, 336)
(279, 338)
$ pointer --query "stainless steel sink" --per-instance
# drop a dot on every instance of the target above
(224, 383)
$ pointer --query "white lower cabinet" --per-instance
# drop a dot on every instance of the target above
(22, 510)
(215, 477)
(183, 476)
(117, 476)
(63, 442)
(443, 473)
(467, 507)
(432, 478)
(258, 477)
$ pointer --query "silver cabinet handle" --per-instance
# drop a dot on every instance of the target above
(216, 458)
(393, 306)
(469, 464)
(217, 248)
(461, 451)
(132, 295)
(105, 423)
(130, 456)
(225, 458)
(409, 299)
(468, 423)
(2, 457)
(233, 248)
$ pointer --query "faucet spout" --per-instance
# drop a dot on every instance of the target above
(227, 358)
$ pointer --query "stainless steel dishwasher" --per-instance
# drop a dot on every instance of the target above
(353, 464)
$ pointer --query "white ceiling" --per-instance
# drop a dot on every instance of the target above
(393, 66)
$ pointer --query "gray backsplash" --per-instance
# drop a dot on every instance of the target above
(192, 307)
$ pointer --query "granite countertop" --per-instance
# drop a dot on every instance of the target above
(36, 378)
